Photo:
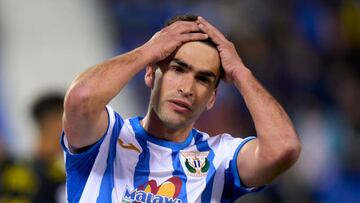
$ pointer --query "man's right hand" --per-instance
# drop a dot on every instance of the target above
(167, 40)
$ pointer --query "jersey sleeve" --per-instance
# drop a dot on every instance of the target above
(234, 187)
(79, 165)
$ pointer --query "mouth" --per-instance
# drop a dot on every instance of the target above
(180, 105)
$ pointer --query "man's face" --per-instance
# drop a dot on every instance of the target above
(184, 84)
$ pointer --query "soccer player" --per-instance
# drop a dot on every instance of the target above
(161, 157)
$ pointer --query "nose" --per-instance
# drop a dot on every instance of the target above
(186, 87)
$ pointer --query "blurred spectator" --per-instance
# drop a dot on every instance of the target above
(41, 180)
(17, 179)
(48, 165)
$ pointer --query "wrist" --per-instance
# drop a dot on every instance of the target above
(241, 75)
(147, 54)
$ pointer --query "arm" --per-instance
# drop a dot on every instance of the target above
(85, 117)
(277, 147)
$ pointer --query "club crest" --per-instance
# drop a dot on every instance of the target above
(196, 163)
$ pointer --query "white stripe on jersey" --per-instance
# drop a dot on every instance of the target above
(92, 190)
(126, 160)
(160, 163)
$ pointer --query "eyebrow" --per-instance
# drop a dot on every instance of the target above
(204, 73)
(181, 63)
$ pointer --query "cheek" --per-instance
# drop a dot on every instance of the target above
(170, 82)
(164, 87)
(156, 92)
(171, 78)
(203, 95)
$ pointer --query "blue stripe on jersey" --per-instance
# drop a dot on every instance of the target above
(179, 172)
(228, 191)
(78, 168)
(204, 146)
(107, 182)
(235, 187)
(164, 143)
(142, 168)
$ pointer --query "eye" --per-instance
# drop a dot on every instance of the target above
(204, 79)
(178, 69)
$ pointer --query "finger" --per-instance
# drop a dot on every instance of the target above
(193, 37)
(155, 35)
(185, 27)
(212, 28)
(216, 39)
(213, 32)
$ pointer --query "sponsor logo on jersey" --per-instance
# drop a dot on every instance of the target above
(196, 163)
(130, 146)
(150, 192)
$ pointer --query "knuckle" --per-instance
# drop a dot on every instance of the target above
(178, 24)
(230, 44)
(164, 29)
(173, 24)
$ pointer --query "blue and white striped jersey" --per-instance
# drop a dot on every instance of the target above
(129, 165)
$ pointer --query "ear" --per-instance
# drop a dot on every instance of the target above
(212, 100)
(149, 76)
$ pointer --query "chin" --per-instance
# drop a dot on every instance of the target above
(174, 121)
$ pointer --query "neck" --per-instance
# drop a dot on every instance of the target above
(159, 129)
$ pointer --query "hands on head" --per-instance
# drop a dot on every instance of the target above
(167, 40)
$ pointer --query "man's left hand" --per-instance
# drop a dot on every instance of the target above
(230, 59)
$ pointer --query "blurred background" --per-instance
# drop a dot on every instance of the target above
(305, 52)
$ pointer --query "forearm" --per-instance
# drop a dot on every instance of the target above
(85, 118)
(99, 84)
(278, 145)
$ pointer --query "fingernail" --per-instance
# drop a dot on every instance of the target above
(201, 25)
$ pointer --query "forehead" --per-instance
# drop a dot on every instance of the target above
(199, 56)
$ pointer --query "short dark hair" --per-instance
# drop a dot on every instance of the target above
(46, 104)
(208, 41)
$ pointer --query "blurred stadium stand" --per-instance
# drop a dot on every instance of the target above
(306, 52)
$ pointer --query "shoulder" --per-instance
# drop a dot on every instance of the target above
(216, 141)
(223, 137)
(224, 143)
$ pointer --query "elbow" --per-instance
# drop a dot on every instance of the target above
(78, 100)
(282, 154)
(292, 147)
(289, 151)
(276, 158)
